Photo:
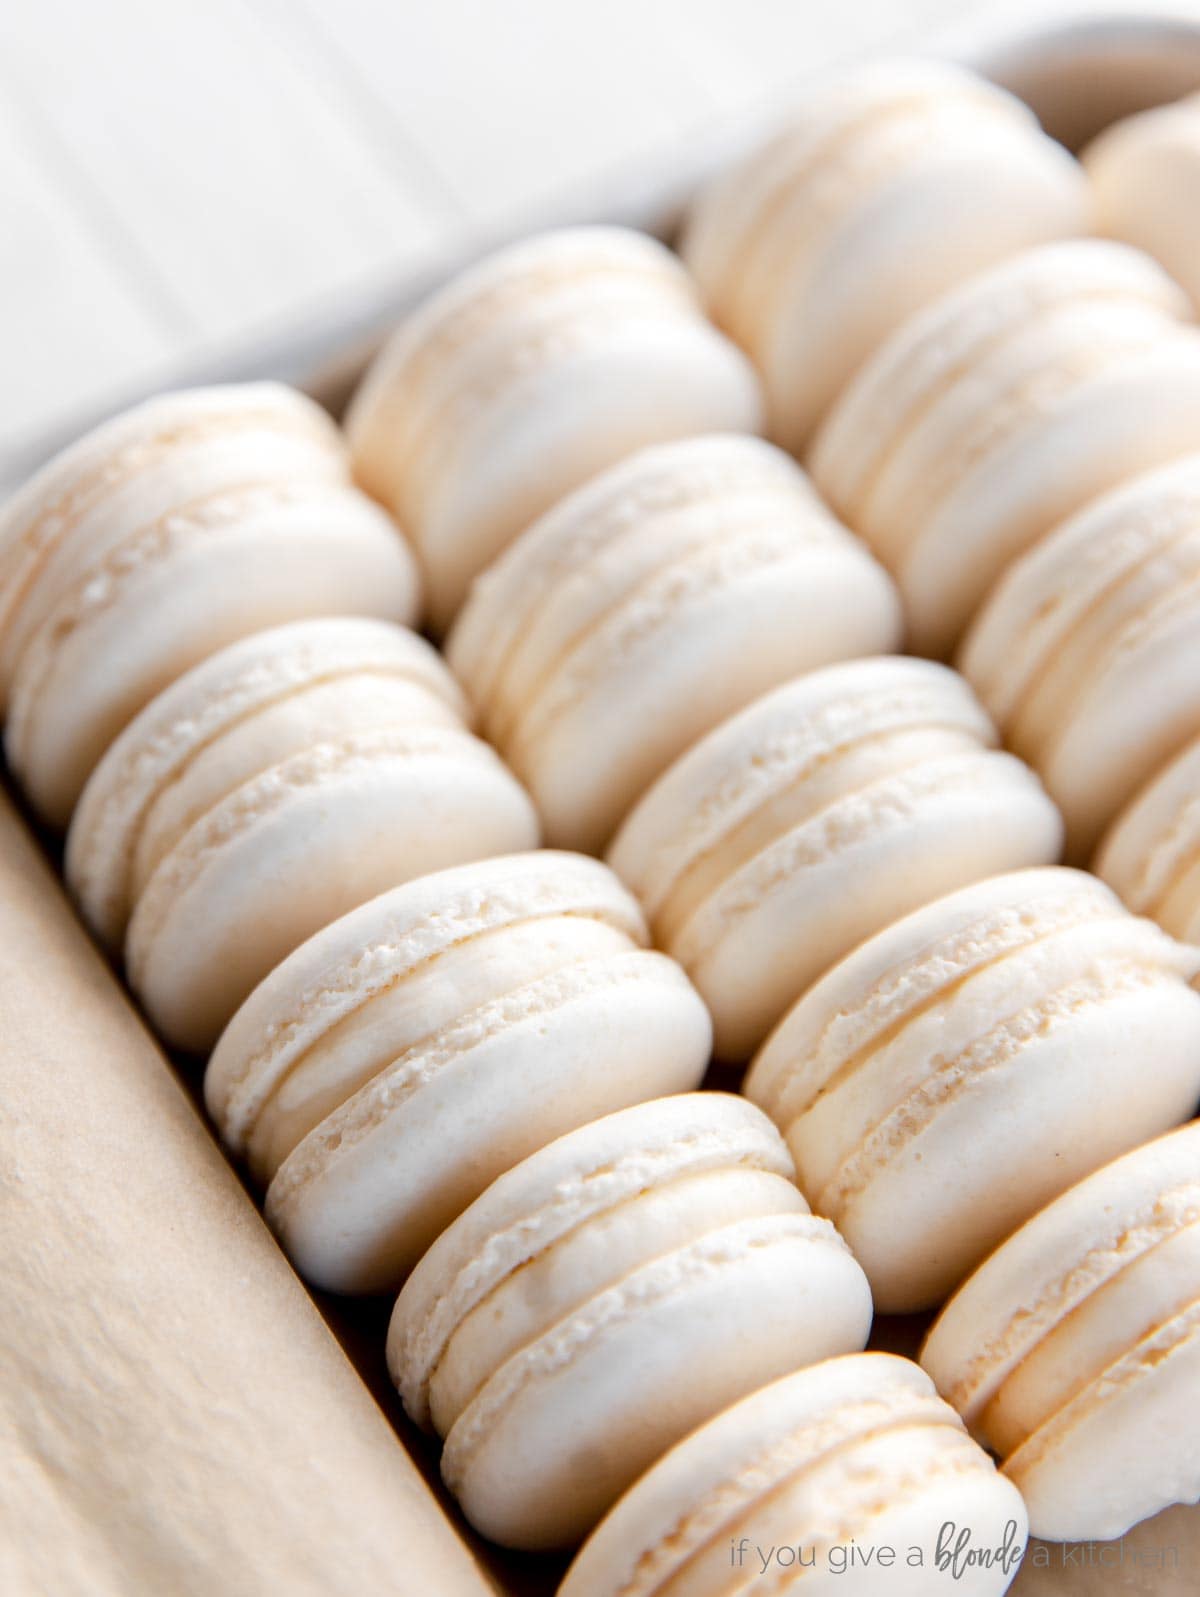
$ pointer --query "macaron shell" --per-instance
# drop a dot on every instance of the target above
(416, 930)
(1149, 852)
(297, 847)
(744, 1303)
(160, 456)
(113, 644)
(363, 1196)
(554, 1194)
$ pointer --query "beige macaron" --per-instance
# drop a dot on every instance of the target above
(1074, 1352)
(649, 605)
(1145, 183)
(813, 818)
(963, 1067)
(606, 1296)
(1151, 853)
(1088, 652)
(1001, 410)
(891, 186)
(409, 1053)
(187, 523)
(271, 789)
(851, 1476)
(535, 369)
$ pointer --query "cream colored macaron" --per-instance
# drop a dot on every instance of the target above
(812, 819)
(851, 1476)
(414, 1050)
(646, 607)
(529, 373)
(268, 791)
(1001, 410)
(1151, 854)
(1145, 183)
(892, 185)
(1074, 1352)
(606, 1296)
(963, 1067)
(1088, 652)
(191, 521)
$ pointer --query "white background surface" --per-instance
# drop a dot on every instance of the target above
(181, 180)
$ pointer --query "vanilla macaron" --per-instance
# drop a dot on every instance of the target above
(187, 523)
(649, 605)
(1088, 652)
(606, 1296)
(893, 185)
(810, 820)
(1074, 1352)
(274, 787)
(970, 1062)
(1151, 853)
(1145, 182)
(417, 1048)
(530, 372)
(852, 1475)
(1002, 409)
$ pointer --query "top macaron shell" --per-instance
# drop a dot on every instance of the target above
(892, 186)
(190, 522)
(969, 1062)
(1074, 1350)
(530, 373)
(1144, 174)
(649, 605)
(825, 810)
(1087, 654)
(1000, 411)
(607, 1295)
(858, 1452)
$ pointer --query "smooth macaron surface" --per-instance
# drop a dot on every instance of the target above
(894, 184)
(857, 1452)
(534, 370)
(192, 521)
(816, 816)
(1001, 410)
(606, 1296)
(967, 1064)
(1144, 177)
(1151, 853)
(419, 1047)
(649, 605)
(1087, 653)
(1074, 1351)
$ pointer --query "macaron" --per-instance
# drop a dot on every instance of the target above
(274, 787)
(850, 1476)
(963, 1067)
(999, 411)
(185, 524)
(1088, 652)
(1074, 1352)
(530, 372)
(405, 1056)
(813, 818)
(1145, 186)
(1151, 853)
(646, 607)
(606, 1296)
(892, 185)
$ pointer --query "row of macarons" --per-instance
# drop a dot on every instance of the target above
(97, 653)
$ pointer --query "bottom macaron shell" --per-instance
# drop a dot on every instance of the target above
(301, 845)
(821, 890)
(973, 1152)
(567, 1424)
(1125, 1447)
(361, 1197)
